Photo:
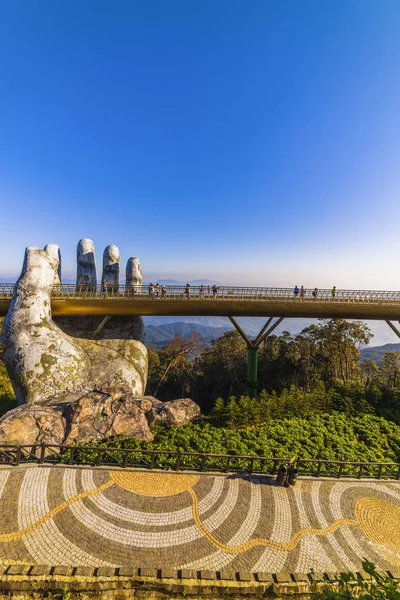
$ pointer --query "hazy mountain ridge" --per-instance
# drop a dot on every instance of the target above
(376, 353)
(160, 335)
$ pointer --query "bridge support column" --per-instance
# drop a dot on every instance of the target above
(252, 351)
(252, 371)
(393, 328)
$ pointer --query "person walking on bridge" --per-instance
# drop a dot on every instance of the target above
(163, 291)
(296, 291)
(187, 291)
(214, 291)
(302, 292)
(333, 292)
(315, 293)
(151, 291)
(104, 290)
(202, 292)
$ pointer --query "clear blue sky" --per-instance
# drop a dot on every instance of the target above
(240, 141)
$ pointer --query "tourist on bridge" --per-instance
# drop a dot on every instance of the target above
(208, 290)
(157, 289)
(333, 292)
(302, 292)
(296, 291)
(151, 291)
(163, 291)
(104, 290)
(214, 290)
(187, 291)
(202, 289)
(315, 293)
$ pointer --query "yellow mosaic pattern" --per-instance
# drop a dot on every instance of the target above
(377, 518)
(154, 484)
(282, 546)
(17, 535)
(380, 522)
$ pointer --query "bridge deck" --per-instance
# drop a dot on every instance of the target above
(234, 301)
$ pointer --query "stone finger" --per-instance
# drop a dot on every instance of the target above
(111, 259)
(54, 252)
(86, 264)
(133, 273)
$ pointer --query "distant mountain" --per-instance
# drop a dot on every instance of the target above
(160, 335)
(160, 330)
(376, 353)
(194, 282)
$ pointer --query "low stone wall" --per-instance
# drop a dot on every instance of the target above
(22, 581)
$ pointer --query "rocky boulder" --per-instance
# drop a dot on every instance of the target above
(177, 412)
(95, 416)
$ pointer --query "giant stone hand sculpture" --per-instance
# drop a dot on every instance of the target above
(45, 364)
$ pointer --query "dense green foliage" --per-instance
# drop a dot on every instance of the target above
(351, 399)
(378, 587)
(318, 370)
(327, 436)
(7, 396)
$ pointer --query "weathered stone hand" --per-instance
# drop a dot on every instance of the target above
(45, 364)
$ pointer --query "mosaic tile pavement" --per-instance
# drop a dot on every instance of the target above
(96, 517)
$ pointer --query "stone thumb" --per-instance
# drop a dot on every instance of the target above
(33, 288)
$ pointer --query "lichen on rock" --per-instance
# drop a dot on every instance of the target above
(47, 365)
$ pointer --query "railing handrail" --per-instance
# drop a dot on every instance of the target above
(224, 292)
(52, 453)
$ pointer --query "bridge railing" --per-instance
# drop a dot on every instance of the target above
(193, 461)
(270, 294)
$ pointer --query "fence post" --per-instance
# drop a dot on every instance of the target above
(42, 452)
(98, 459)
(178, 461)
(18, 456)
(203, 462)
(71, 456)
(125, 461)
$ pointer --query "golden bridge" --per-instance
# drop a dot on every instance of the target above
(75, 300)
(273, 303)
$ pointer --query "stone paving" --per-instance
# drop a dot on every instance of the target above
(114, 518)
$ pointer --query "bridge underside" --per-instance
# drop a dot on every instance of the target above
(222, 307)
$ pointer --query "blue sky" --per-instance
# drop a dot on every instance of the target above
(253, 142)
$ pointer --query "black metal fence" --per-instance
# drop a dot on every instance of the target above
(139, 292)
(193, 461)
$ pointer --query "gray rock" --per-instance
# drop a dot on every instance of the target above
(111, 268)
(44, 363)
(86, 264)
(177, 412)
(95, 416)
(33, 425)
(98, 416)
